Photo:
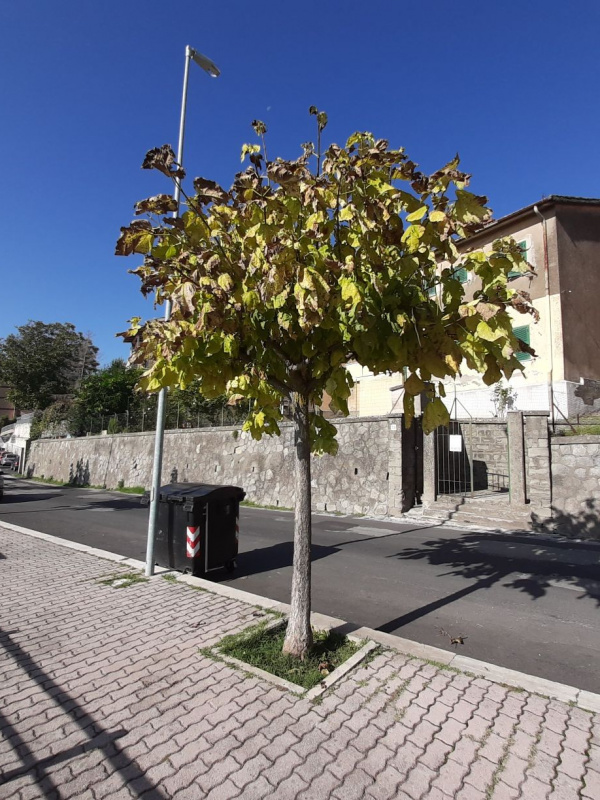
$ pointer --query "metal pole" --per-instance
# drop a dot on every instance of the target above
(162, 395)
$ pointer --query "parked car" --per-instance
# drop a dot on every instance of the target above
(9, 460)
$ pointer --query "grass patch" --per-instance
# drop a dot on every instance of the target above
(262, 648)
(441, 666)
(122, 489)
(170, 577)
(251, 504)
(123, 580)
(584, 430)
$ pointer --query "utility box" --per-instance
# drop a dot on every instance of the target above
(197, 528)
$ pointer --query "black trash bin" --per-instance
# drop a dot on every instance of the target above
(197, 526)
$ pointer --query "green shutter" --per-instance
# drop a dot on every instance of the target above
(515, 273)
(522, 333)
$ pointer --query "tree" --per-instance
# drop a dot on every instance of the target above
(45, 361)
(279, 282)
(109, 391)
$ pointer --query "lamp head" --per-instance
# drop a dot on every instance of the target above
(204, 61)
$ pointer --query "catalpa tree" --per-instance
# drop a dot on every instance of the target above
(303, 266)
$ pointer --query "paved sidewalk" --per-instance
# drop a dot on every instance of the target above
(105, 694)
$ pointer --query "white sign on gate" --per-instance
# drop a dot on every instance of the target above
(456, 443)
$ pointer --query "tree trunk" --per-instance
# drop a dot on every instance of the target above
(299, 638)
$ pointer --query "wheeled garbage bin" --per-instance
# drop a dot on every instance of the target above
(197, 527)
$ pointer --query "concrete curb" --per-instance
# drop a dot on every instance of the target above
(589, 701)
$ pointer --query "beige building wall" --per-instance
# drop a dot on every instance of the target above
(564, 285)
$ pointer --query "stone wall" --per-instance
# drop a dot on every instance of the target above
(360, 479)
(576, 486)
(538, 478)
(490, 453)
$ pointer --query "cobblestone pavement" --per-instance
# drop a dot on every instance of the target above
(105, 694)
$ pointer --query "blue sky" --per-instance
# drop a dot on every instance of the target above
(86, 88)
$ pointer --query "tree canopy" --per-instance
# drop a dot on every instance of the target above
(45, 361)
(279, 282)
(303, 266)
(108, 391)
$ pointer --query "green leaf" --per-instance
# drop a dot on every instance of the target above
(414, 385)
(435, 414)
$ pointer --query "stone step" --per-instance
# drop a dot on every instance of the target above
(500, 499)
(480, 514)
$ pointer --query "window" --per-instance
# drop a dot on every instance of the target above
(432, 292)
(522, 333)
(524, 248)
(461, 275)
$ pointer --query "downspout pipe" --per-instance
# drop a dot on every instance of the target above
(547, 291)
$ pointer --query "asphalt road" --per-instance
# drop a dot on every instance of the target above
(524, 603)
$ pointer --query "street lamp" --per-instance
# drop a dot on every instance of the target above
(211, 69)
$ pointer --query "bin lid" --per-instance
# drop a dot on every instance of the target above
(199, 492)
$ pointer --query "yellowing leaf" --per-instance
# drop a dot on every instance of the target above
(470, 208)
(225, 282)
(412, 237)
(350, 292)
(484, 331)
(417, 215)
(437, 216)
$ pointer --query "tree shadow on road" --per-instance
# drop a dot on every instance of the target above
(268, 559)
(11, 498)
(526, 563)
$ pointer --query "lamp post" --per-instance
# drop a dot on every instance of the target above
(211, 69)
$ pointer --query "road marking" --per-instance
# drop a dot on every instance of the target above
(557, 583)
(365, 530)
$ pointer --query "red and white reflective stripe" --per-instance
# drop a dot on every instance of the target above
(193, 542)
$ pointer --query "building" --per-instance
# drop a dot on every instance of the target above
(15, 437)
(560, 237)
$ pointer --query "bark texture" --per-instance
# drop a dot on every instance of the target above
(299, 638)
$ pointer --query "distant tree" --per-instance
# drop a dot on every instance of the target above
(54, 420)
(44, 362)
(109, 391)
(303, 266)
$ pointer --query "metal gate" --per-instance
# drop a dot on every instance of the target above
(454, 458)
(463, 469)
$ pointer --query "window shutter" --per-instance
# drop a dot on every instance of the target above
(522, 333)
(515, 273)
